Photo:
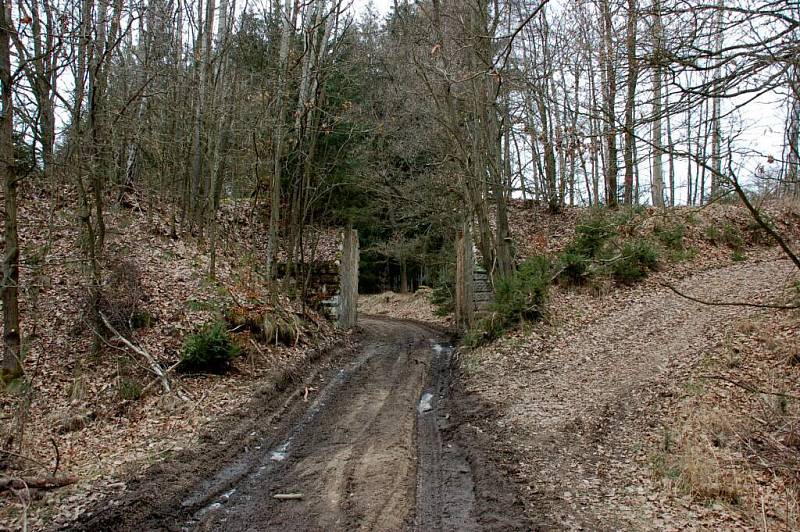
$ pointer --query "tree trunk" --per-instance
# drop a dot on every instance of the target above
(403, 276)
(630, 100)
(348, 291)
(289, 15)
(201, 54)
(671, 156)
(610, 105)
(465, 263)
(223, 98)
(716, 105)
(657, 182)
(12, 355)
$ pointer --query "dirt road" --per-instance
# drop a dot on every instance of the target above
(358, 442)
(573, 410)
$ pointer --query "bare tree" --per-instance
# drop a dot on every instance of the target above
(289, 16)
(657, 186)
(12, 356)
(630, 98)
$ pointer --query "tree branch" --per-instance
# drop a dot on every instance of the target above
(729, 303)
(154, 365)
(748, 387)
(45, 483)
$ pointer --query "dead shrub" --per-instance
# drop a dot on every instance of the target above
(705, 475)
(122, 298)
(267, 324)
(790, 352)
(704, 469)
(746, 326)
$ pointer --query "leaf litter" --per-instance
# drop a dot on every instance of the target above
(105, 414)
(605, 416)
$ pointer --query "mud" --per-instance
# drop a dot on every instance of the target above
(374, 446)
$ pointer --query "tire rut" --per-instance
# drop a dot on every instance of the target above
(361, 453)
(355, 464)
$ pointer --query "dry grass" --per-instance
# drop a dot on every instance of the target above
(703, 462)
(738, 446)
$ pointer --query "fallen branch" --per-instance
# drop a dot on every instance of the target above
(733, 180)
(260, 351)
(729, 303)
(288, 496)
(154, 365)
(167, 371)
(233, 296)
(40, 483)
(750, 388)
(22, 456)
(58, 456)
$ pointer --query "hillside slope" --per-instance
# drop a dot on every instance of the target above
(632, 407)
(103, 416)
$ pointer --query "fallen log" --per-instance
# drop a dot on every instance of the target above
(39, 483)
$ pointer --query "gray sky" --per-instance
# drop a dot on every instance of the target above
(381, 6)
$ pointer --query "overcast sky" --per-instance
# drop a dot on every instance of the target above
(381, 6)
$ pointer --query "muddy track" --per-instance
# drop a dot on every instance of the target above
(369, 448)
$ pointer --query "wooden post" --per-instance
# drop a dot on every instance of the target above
(465, 263)
(348, 280)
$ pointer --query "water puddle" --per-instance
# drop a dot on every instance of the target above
(281, 453)
(440, 350)
(214, 506)
(425, 403)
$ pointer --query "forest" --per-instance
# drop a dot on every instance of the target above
(176, 176)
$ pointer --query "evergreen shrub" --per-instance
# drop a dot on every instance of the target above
(520, 297)
(209, 350)
(638, 256)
